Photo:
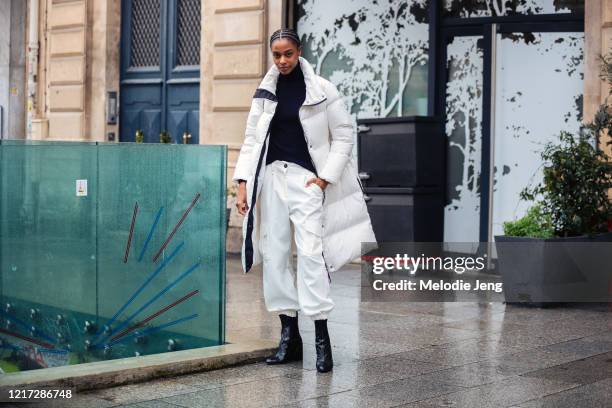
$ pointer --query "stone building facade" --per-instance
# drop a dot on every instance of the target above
(79, 58)
(598, 33)
(79, 64)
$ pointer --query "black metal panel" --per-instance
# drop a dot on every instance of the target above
(540, 18)
(433, 85)
(485, 162)
(401, 152)
(417, 217)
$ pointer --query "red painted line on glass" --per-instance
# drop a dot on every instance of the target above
(176, 227)
(34, 341)
(154, 315)
(129, 242)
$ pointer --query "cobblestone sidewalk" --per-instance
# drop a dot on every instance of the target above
(409, 355)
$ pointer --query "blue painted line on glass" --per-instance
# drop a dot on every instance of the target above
(141, 288)
(27, 326)
(46, 350)
(153, 299)
(154, 329)
(146, 244)
(9, 346)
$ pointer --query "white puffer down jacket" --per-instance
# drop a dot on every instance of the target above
(329, 135)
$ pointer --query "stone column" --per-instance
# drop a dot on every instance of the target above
(66, 65)
(78, 64)
(234, 60)
(12, 68)
(103, 66)
(5, 51)
(598, 41)
(17, 77)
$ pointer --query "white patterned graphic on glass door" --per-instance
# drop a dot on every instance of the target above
(534, 103)
(464, 90)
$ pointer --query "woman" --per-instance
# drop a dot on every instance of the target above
(295, 167)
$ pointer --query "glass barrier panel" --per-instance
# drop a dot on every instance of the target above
(109, 251)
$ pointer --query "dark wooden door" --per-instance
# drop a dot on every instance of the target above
(160, 69)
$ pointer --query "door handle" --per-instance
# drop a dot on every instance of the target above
(186, 137)
(367, 198)
(364, 176)
(363, 129)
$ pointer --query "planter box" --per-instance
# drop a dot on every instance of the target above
(544, 272)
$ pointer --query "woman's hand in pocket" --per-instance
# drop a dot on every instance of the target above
(319, 182)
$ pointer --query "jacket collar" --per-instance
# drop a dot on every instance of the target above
(314, 93)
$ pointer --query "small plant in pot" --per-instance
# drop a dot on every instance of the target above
(535, 224)
(577, 177)
(542, 255)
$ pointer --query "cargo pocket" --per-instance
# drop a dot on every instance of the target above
(263, 243)
(310, 238)
(319, 193)
(314, 188)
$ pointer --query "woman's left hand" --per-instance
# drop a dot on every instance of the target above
(319, 182)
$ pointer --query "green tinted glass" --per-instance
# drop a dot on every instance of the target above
(109, 251)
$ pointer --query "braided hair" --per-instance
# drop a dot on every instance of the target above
(287, 33)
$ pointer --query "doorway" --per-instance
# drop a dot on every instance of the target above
(160, 70)
(509, 88)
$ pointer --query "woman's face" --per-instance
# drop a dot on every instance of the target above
(286, 55)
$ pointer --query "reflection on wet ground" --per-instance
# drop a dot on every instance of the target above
(418, 354)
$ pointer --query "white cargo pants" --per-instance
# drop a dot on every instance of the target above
(286, 200)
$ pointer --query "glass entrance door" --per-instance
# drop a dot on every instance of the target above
(463, 109)
(534, 102)
(509, 89)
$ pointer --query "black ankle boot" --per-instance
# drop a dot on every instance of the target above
(290, 346)
(323, 346)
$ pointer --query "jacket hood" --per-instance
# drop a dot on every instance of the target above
(314, 93)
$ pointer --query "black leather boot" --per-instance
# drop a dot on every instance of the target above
(325, 361)
(290, 346)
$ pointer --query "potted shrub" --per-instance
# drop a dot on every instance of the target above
(553, 253)
(577, 177)
(539, 258)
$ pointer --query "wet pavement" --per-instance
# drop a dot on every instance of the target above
(407, 355)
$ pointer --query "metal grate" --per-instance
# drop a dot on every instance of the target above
(145, 35)
(188, 32)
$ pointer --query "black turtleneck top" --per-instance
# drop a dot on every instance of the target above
(287, 140)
